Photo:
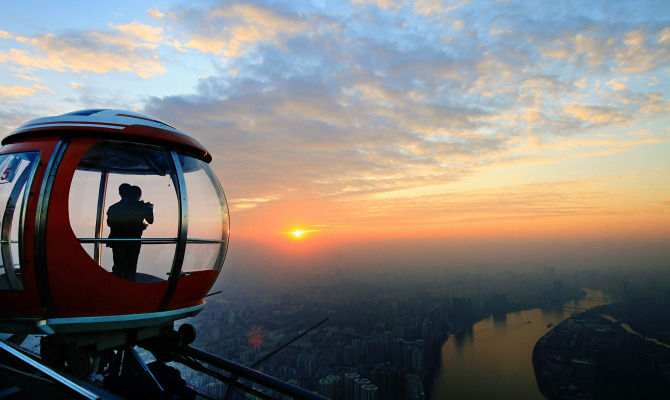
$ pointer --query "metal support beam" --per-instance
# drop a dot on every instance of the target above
(251, 374)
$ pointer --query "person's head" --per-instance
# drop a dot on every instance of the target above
(125, 191)
(135, 193)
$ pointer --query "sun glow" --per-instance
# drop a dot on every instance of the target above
(298, 233)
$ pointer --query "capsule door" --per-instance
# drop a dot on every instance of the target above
(22, 167)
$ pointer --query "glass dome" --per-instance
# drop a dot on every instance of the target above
(143, 212)
(15, 174)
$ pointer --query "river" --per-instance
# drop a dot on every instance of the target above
(493, 359)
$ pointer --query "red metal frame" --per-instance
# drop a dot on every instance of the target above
(141, 133)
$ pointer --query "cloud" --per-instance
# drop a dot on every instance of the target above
(142, 32)
(616, 84)
(664, 36)
(643, 132)
(154, 12)
(383, 4)
(580, 48)
(614, 143)
(99, 52)
(595, 115)
(644, 103)
(29, 78)
(44, 88)
(390, 100)
(374, 111)
(248, 203)
(289, 139)
(18, 91)
(13, 114)
(581, 83)
(436, 7)
(232, 31)
(640, 53)
(436, 205)
(632, 51)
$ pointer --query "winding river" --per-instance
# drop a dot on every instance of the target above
(493, 359)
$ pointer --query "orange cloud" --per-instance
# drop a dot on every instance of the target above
(616, 84)
(141, 32)
(639, 55)
(18, 91)
(383, 4)
(154, 12)
(435, 7)
(595, 114)
(94, 52)
(241, 27)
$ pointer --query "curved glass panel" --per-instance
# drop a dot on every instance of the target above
(124, 209)
(208, 221)
(16, 171)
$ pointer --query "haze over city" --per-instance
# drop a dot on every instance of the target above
(418, 134)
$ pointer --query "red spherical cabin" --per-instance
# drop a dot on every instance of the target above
(58, 176)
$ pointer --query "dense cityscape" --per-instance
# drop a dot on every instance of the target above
(381, 341)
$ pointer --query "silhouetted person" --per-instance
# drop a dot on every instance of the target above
(126, 221)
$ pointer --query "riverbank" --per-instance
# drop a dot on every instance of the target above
(497, 351)
(595, 355)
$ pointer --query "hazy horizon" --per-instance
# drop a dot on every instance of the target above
(349, 261)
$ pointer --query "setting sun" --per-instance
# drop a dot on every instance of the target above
(298, 233)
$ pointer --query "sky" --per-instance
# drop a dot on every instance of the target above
(389, 132)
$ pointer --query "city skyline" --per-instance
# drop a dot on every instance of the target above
(382, 130)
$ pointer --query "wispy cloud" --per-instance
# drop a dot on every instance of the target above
(595, 115)
(232, 31)
(127, 50)
(18, 91)
(155, 13)
(357, 109)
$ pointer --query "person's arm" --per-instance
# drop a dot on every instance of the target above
(150, 213)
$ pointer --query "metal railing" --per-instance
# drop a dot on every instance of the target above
(240, 371)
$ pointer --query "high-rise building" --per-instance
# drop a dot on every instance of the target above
(414, 387)
(391, 383)
(350, 355)
(326, 388)
(462, 309)
(369, 392)
(306, 363)
(427, 333)
(337, 385)
(349, 384)
(358, 385)
(408, 354)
